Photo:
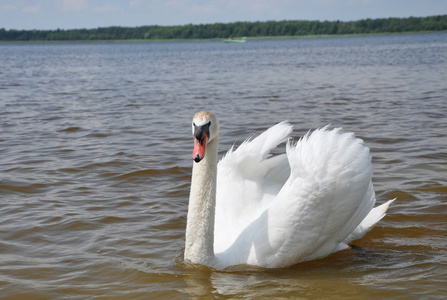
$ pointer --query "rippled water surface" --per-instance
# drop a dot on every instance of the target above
(95, 161)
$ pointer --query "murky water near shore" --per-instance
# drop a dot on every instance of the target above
(95, 160)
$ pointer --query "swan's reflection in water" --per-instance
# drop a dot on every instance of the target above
(204, 283)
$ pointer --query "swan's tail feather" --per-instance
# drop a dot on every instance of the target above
(374, 216)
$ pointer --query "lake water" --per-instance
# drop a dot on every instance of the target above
(95, 161)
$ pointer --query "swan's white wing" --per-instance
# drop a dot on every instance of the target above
(264, 218)
(248, 179)
(327, 195)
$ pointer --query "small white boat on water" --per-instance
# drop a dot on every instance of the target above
(232, 40)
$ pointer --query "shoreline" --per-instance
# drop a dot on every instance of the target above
(218, 39)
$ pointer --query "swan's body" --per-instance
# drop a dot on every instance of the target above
(277, 211)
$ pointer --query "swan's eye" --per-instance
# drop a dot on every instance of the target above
(194, 124)
(209, 123)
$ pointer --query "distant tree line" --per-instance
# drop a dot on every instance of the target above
(237, 29)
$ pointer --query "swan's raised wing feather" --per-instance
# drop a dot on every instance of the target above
(329, 192)
(247, 180)
(274, 221)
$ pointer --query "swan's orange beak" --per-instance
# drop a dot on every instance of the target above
(199, 148)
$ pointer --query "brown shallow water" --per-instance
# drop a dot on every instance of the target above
(95, 162)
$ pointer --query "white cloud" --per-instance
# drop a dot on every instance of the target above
(175, 3)
(203, 9)
(31, 9)
(134, 4)
(72, 5)
(7, 7)
(105, 8)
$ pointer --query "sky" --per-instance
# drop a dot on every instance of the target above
(77, 14)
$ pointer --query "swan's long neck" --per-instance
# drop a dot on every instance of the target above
(201, 210)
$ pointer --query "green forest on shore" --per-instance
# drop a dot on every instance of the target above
(237, 29)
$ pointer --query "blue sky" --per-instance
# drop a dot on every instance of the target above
(71, 14)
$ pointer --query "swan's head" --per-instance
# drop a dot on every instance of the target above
(205, 128)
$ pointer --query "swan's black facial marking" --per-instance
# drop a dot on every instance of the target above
(200, 130)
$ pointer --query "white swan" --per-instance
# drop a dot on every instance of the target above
(253, 209)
